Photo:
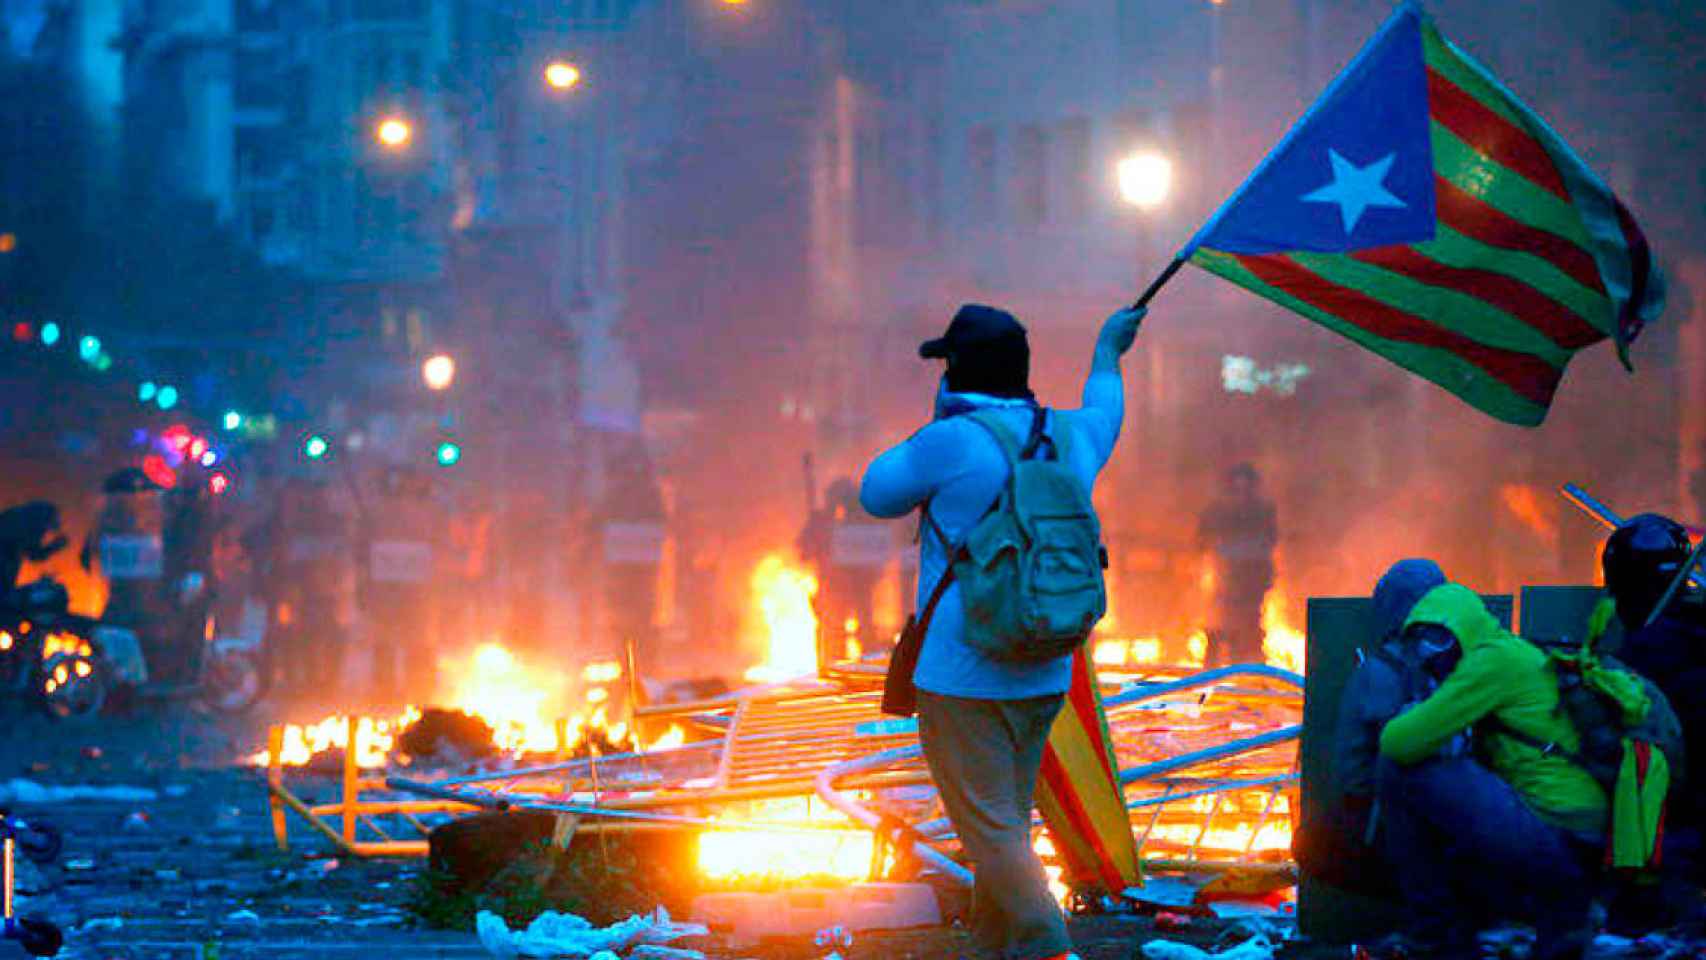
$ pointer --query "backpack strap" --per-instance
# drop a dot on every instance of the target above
(1003, 437)
(929, 611)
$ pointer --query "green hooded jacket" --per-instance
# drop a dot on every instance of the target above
(1507, 677)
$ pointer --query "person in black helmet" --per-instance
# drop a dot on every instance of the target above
(1640, 560)
(1238, 532)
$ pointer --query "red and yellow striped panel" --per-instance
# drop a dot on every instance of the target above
(1079, 794)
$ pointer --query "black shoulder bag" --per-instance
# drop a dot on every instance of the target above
(900, 696)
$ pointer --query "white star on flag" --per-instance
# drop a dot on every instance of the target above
(1355, 188)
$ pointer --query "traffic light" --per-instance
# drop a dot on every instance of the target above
(167, 398)
(232, 420)
(147, 391)
(49, 333)
(448, 453)
(316, 447)
(23, 332)
(89, 347)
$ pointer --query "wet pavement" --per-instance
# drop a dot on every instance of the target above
(194, 872)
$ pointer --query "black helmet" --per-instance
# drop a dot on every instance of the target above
(1641, 558)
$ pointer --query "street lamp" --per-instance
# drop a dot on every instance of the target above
(1145, 179)
(393, 133)
(439, 371)
(562, 75)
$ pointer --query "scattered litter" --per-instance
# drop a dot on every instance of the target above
(1243, 909)
(242, 916)
(652, 951)
(1165, 892)
(1255, 948)
(30, 793)
(1506, 943)
(327, 866)
(553, 934)
(1247, 928)
(103, 923)
(1168, 922)
(80, 864)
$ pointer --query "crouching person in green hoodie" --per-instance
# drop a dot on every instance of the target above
(1508, 827)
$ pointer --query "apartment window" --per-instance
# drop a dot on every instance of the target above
(1076, 183)
(1031, 191)
(980, 164)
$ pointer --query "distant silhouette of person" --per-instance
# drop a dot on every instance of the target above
(1238, 532)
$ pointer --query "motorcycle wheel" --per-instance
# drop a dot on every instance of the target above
(232, 681)
(71, 686)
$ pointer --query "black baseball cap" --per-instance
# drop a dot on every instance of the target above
(973, 325)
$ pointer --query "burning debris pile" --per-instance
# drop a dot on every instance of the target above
(788, 782)
(496, 706)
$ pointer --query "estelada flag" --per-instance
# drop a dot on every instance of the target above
(1079, 793)
(1422, 210)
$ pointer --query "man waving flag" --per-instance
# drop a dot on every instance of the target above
(1422, 210)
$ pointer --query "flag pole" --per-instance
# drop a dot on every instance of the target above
(1159, 282)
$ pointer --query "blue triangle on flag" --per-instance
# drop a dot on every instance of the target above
(1357, 170)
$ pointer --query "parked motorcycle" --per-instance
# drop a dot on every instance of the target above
(74, 666)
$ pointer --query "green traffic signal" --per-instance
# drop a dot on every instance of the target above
(448, 453)
(316, 447)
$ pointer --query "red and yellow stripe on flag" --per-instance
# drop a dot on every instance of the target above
(1079, 793)
(1425, 212)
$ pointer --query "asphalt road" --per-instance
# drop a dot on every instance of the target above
(194, 872)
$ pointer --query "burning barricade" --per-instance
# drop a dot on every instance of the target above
(801, 782)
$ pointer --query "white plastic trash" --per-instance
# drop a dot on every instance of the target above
(553, 934)
(1255, 948)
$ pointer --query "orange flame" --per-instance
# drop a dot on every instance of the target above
(1526, 504)
(1282, 644)
(820, 851)
(783, 596)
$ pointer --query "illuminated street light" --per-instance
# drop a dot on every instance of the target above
(316, 447)
(167, 397)
(147, 390)
(232, 420)
(89, 348)
(394, 133)
(1145, 179)
(8, 242)
(562, 75)
(448, 453)
(49, 333)
(439, 371)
